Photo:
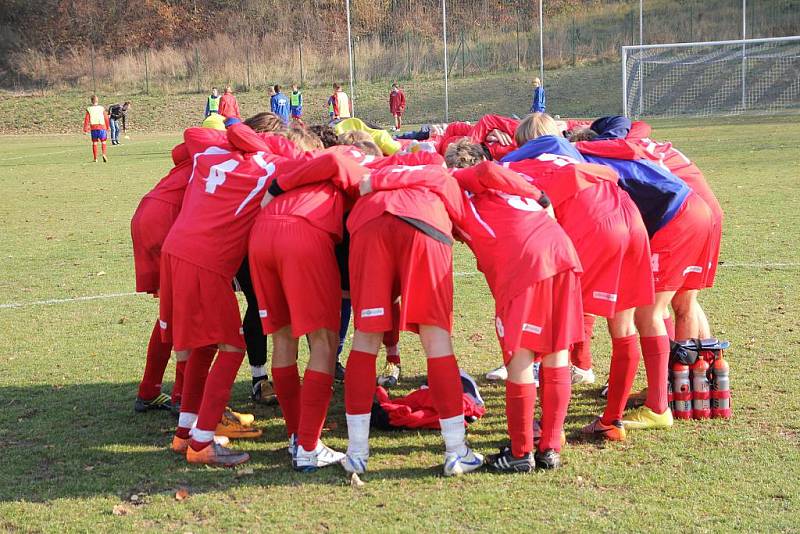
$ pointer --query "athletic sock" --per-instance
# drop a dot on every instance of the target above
(392, 337)
(194, 378)
(185, 423)
(358, 433)
(581, 354)
(259, 373)
(444, 381)
(103, 144)
(218, 389)
(286, 382)
(624, 362)
(158, 354)
(94, 150)
(454, 434)
(393, 354)
(314, 401)
(520, 404)
(344, 324)
(177, 388)
(556, 390)
(200, 439)
(670, 324)
(359, 388)
(655, 351)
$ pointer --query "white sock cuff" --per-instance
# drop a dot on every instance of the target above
(454, 433)
(258, 370)
(202, 435)
(187, 420)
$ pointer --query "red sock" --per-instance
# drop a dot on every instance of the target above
(286, 382)
(94, 149)
(655, 351)
(218, 389)
(177, 388)
(315, 398)
(581, 354)
(624, 361)
(556, 390)
(444, 381)
(359, 386)
(158, 354)
(520, 405)
(195, 377)
(670, 324)
(103, 144)
(183, 433)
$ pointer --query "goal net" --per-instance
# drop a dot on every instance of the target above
(711, 78)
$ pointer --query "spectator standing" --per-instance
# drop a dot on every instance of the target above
(212, 103)
(342, 109)
(538, 103)
(296, 103)
(279, 104)
(229, 107)
(118, 113)
(397, 105)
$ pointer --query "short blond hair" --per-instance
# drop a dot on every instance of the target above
(464, 153)
(351, 136)
(535, 125)
(304, 140)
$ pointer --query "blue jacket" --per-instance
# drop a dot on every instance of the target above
(538, 104)
(546, 144)
(657, 193)
(612, 127)
(279, 104)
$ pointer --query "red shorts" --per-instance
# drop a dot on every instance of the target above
(295, 276)
(680, 250)
(150, 225)
(389, 258)
(616, 263)
(197, 307)
(714, 245)
(546, 318)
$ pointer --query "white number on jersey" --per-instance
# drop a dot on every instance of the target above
(269, 169)
(217, 174)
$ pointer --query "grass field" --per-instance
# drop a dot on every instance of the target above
(74, 454)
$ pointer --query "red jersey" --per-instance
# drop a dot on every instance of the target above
(228, 106)
(321, 189)
(453, 132)
(581, 193)
(516, 243)
(172, 187)
(223, 197)
(495, 122)
(414, 186)
(397, 102)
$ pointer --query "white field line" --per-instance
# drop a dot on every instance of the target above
(39, 155)
(48, 302)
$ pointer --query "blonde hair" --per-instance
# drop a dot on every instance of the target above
(265, 121)
(463, 153)
(304, 140)
(351, 136)
(535, 125)
(368, 147)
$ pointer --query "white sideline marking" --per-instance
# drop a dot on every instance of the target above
(38, 155)
(10, 305)
(63, 301)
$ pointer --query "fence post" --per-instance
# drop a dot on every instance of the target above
(519, 63)
(463, 53)
(146, 74)
(94, 80)
(574, 41)
(302, 72)
(197, 68)
(247, 64)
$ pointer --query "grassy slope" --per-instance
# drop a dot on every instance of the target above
(569, 91)
(73, 449)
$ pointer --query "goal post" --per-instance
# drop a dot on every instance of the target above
(711, 78)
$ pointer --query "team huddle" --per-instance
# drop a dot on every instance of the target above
(567, 220)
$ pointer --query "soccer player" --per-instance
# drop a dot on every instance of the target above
(95, 123)
(533, 272)
(297, 283)
(401, 239)
(296, 104)
(679, 225)
(229, 106)
(397, 105)
(538, 103)
(212, 102)
(340, 102)
(279, 104)
(200, 256)
(612, 244)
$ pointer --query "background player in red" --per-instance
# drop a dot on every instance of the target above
(204, 249)
(533, 272)
(401, 246)
(296, 279)
(95, 123)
